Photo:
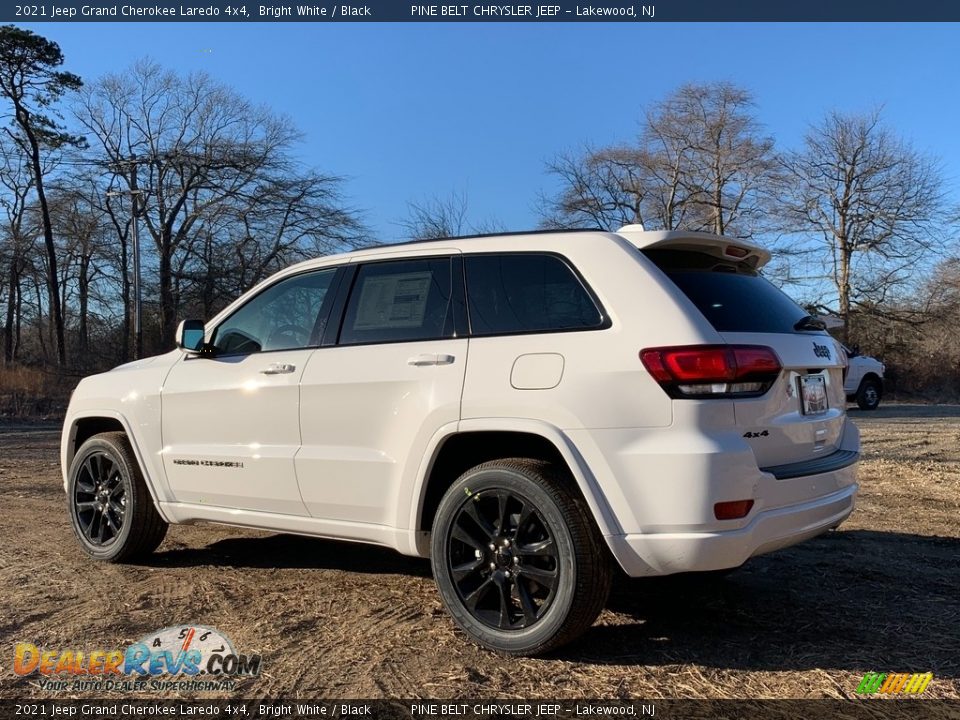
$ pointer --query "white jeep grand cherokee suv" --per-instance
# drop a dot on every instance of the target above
(526, 410)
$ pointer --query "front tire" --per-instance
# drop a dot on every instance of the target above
(519, 563)
(868, 394)
(110, 508)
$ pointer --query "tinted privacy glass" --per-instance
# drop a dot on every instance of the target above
(515, 293)
(732, 296)
(399, 301)
(282, 317)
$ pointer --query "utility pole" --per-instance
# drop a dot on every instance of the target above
(134, 194)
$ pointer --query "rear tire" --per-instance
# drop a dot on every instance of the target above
(110, 508)
(518, 560)
(868, 394)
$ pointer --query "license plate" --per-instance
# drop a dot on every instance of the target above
(813, 394)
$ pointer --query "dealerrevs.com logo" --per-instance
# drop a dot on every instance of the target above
(181, 657)
(894, 683)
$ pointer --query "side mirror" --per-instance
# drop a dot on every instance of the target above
(190, 335)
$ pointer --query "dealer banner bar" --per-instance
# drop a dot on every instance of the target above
(472, 709)
(562, 11)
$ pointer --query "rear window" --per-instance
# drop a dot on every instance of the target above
(732, 296)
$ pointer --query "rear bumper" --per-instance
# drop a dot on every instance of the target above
(666, 553)
(662, 487)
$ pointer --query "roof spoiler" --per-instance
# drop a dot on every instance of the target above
(720, 246)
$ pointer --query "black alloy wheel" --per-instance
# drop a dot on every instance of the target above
(519, 561)
(100, 499)
(503, 559)
(111, 510)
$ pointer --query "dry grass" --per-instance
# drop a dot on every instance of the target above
(338, 621)
(27, 392)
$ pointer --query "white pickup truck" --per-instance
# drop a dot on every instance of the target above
(864, 380)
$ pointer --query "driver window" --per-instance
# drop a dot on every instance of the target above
(282, 317)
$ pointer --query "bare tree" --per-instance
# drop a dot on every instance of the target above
(86, 254)
(30, 80)
(191, 146)
(443, 217)
(16, 240)
(869, 199)
(600, 188)
(280, 220)
(701, 162)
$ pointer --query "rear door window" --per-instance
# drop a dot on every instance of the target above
(399, 301)
(526, 292)
(732, 296)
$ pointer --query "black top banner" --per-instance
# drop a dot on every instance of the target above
(551, 11)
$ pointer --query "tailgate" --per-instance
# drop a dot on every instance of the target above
(777, 425)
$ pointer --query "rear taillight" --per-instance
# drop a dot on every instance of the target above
(699, 371)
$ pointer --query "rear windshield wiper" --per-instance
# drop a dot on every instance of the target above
(809, 322)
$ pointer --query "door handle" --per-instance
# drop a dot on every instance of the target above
(430, 359)
(278, 368)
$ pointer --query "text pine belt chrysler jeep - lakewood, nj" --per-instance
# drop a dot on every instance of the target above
(527, 410)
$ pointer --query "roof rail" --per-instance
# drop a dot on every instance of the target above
(481, 235)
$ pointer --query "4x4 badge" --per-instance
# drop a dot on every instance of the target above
(821, 351)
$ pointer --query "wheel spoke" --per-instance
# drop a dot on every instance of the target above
(461, 572)
(88, 529)
(503, 587)
(91, 473)
(525, 512)
(503, 500)
(483, 523)
(114, 528)
(463, 535)
(547, 578)
(86, 505)
(526, 602)
(473, 598)
(543, 548)
(98, 467)
(85, 486)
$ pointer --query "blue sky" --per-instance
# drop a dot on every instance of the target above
(411, 111)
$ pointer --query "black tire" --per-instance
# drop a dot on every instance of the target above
(110, 508)
(868, 394)
(543, 577)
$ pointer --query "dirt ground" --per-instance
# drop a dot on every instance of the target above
(335, 620)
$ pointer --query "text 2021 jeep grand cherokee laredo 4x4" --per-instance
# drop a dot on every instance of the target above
(522, 409)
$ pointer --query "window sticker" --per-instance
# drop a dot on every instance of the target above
(393, 301)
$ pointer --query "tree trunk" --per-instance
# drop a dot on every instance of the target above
(53, 282)
(18, 317)
(125, 297)
(168, 310)
(843, 291)
(40, 329)
(83, 290)
(11, 310)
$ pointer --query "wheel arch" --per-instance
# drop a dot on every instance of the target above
(473, 443)
(84, 426)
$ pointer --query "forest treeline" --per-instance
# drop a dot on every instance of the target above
(861, 222)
